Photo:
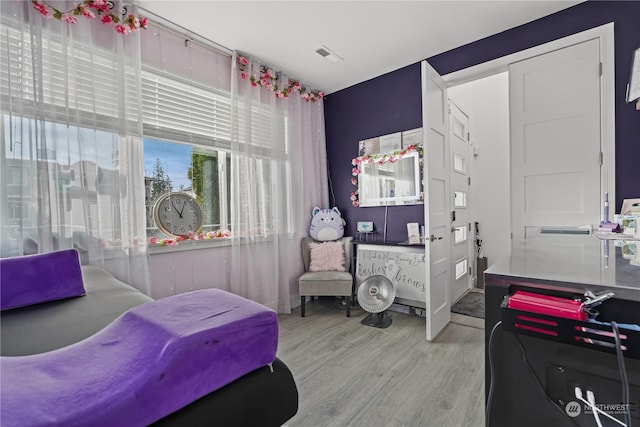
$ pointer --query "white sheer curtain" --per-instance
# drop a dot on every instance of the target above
(278, 174)
(72, 171)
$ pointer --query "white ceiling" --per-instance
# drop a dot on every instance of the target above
(373, 37)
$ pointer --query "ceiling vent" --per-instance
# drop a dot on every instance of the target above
(328, 54)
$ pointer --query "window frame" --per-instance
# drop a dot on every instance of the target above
(102, 120)
(223, 186)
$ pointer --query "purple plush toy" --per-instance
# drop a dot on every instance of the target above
(326, 224)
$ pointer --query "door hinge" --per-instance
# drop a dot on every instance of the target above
(468, 180)
(468, 136)
(600, 69)
(469, 224)
(453, 216)
(469, 271)
(601, 158)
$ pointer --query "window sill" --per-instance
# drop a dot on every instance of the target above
(189, 245)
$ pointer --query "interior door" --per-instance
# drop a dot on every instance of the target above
(437, 201)
(555, 139)
(460, 159)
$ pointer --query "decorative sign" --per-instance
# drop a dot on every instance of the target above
(413, 233)
(369, 146)
(412, 137)
(391, 142)
(409, 276)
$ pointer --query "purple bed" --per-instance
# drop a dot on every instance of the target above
(100, 353)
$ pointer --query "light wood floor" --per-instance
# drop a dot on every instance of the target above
(354, 375)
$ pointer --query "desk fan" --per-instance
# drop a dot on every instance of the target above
(376, 294)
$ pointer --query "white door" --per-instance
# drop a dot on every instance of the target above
(437, 205)
(555, 139)
(461, 235)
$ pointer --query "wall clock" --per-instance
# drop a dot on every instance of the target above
(178, 214)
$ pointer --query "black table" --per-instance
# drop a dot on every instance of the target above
(534, 375)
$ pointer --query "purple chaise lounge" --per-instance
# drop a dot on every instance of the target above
(200, 358)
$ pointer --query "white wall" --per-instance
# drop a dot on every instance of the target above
(176, 272)
(487, 103)
(182, 271)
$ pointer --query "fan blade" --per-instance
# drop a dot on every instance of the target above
(376, 294)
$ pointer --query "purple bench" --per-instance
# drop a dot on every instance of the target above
(153, 360)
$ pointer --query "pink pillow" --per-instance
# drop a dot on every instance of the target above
(327, 256)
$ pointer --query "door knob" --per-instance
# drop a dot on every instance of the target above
(433, 238)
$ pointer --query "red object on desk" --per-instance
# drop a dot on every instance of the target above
(547, 305)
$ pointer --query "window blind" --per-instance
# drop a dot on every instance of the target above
(175, 106)
(184, 112)
(85, 76)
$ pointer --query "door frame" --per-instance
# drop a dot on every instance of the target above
(605, 35)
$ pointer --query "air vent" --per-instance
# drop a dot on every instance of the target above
(328, 54)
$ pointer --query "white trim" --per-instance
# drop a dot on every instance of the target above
(605, 35)
(189, 245)
(501, 64)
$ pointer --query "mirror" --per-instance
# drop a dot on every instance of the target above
(391, 180)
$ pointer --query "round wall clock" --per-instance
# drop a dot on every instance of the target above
(178, 214)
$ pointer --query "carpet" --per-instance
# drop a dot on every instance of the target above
(472, 304)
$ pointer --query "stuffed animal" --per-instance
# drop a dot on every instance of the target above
(326, 224)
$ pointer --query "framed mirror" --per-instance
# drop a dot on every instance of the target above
(388, 180)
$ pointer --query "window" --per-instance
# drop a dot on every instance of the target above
(186, 126)
(73, 177)
(461, 268)
(459, 164)
(460, 199)
(186, 109)
(200, 171)
(187, 129)
(459, 234)
(13, 175)
(15, 211)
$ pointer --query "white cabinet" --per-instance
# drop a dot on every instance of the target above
(410, 276)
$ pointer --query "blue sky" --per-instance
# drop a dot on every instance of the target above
(175, 160)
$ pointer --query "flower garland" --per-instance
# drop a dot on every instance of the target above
(380, 158)
(89, 9)
(269, 79)
(218, 234)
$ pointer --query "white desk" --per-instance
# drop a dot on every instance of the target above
(410, 278)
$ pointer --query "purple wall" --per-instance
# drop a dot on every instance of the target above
(391, 103)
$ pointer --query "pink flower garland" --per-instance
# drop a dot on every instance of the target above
(268, 79)
(89, 9)
(379, 158)
(218, 234)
